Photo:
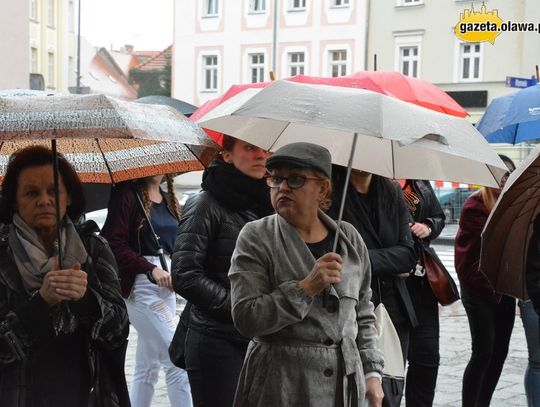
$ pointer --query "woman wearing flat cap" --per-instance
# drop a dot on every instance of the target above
(307, 348)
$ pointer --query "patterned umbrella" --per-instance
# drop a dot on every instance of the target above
(107, 140)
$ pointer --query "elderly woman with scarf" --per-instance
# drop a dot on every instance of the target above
(308, 348)
(63, 328)
(233, 194)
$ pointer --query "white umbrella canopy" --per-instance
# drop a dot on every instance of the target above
(395, 139)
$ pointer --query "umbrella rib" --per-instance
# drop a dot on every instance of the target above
(195, 155)
(278, 136)
(105, 160)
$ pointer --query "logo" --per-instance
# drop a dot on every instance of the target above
(483, 25)
(478, 26)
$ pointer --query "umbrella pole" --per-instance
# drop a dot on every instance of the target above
(57, 201)
(344, 195)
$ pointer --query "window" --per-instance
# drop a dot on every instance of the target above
(340, 3)
(338, 63)
(210, 72)
(408, 61)
(71, 16)
(33, 9)
(211, 8)
(33, 60)
(411, 2)
(296, 63)
(257, 6)
(256, 68)
(50, 70)
(470, 61)
(50, 13)
(297, 4)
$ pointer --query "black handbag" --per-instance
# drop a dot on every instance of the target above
(178, 342)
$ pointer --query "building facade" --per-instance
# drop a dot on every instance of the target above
(14, 44)
(219, 43)
(416, 37)
(52, 45)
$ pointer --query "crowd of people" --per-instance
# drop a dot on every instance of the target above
(280, 298)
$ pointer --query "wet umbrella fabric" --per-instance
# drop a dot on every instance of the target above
(99, 120)
(396, 139)
(413, 90)
(513, 118)
(392, 84)
(506, 236)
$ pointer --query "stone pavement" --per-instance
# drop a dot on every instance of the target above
(455, 352)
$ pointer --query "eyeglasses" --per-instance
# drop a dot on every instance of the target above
(293, 181)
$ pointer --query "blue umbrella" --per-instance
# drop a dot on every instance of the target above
(513, 118)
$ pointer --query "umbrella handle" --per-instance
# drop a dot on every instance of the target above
(57, 201)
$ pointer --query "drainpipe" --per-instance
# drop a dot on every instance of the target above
(274, 40)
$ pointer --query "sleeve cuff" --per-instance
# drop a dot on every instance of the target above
(373, 374)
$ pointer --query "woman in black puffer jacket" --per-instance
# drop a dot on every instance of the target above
(234, 193)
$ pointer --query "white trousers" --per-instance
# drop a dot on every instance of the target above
(152, 311)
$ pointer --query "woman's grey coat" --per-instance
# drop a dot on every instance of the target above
(301, 351)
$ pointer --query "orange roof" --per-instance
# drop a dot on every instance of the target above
(158, 61)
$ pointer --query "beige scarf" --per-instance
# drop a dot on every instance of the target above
(32, 259)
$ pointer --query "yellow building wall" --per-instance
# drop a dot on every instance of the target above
(56, 39)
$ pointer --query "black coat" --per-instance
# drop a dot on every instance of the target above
(532, 273)
(388, 238)
(58, 369)
(201, 260)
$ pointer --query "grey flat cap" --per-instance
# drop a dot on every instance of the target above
(302, 155)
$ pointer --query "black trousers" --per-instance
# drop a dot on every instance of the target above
(213, 365)
(491, 327)
(423, 353)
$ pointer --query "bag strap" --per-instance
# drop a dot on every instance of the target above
(155, 236)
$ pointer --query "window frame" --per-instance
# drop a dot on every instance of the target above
(473, 55)
(253, 10)
(259, 68)
(301, 7)
(51, 70)
(51, 10)
(415, 59)
(207, 12)
(343, 3)
(409, 3)
(34, 60)
(337, 63)
(214, 77)
(296, 65)
(34, 10)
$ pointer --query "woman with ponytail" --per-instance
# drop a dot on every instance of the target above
(146, 281)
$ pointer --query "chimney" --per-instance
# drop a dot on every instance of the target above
(128, 49)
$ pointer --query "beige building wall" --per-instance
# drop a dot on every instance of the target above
(52, 44)
(14, 44)
(235, 32)
(430, 25)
